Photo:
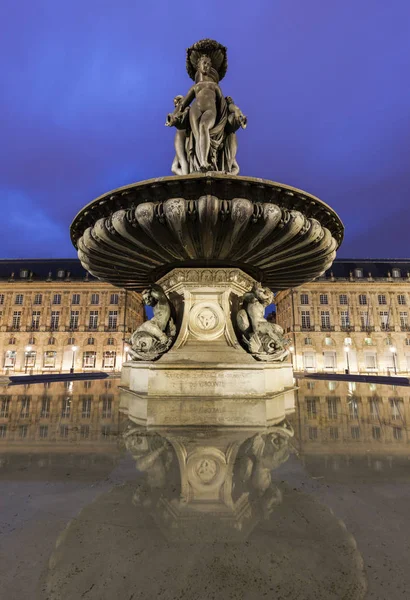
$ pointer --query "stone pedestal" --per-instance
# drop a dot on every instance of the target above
(206, 377)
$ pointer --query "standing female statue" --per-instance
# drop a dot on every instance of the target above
(210, 139)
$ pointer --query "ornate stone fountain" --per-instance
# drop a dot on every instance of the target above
(204, 246)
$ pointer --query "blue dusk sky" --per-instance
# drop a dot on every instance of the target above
(86, 86)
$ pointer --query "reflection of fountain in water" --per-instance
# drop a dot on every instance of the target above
(206, 519)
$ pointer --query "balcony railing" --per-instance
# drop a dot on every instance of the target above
(327, 327)
(307, 328)
(367, 328)
(111, 328)
(346, 328)
(385, 327)
(405, 327)
(14, 328)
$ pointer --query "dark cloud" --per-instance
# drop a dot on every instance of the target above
(85, 87)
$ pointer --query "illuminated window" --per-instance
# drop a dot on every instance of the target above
(358, 273)
(74, 316)
(19, 299)
(112, 319)
(401, 299)
(323, 299)
(89, 358)
(325, 319)
(304, 298)
(93, 319)
(109, 357)
(396, 273)
(50, 359)
(344, 318)
(10, 359)
(306, 319)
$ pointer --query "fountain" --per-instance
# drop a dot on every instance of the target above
(204, 247)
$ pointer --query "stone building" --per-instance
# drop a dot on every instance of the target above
(355, 317)
(54, 316)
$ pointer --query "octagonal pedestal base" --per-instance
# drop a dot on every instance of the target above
(207, 377)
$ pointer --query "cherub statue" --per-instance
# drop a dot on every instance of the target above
(154, 337)
(236, 119)
(179, 119)
(262, 339)
(210, 139)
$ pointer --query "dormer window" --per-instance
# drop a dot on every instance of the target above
(358, 273)
(24, 273)
(60, 273)
(396, 273)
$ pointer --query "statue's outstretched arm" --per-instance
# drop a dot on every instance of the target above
(188, 99)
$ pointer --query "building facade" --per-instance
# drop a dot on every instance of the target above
(354, 318)
(54, 317)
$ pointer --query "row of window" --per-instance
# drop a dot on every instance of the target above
(74, 319)
(50, 358)
(389, 360)
(25, 403)
(333, 407)
(355, 433)
(70, 341)
(365, 319)
(63, 431)
(343, 299)
(56, 299)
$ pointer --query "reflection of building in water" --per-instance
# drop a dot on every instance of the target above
(225, 478)
(356, 317)
(50, 416)
(342, 425)
(49, 306)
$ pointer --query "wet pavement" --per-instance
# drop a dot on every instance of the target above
(94, 506)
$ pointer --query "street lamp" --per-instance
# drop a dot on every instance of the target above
(74, 349)
(393, 351)
(347, 350)
(27, 349)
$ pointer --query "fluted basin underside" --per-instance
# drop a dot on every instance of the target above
(278, 234)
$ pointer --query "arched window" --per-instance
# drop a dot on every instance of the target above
(32, 340)
(90, 341)
(70, 341)
(110, 341)
(51, 341)
(12, 341)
